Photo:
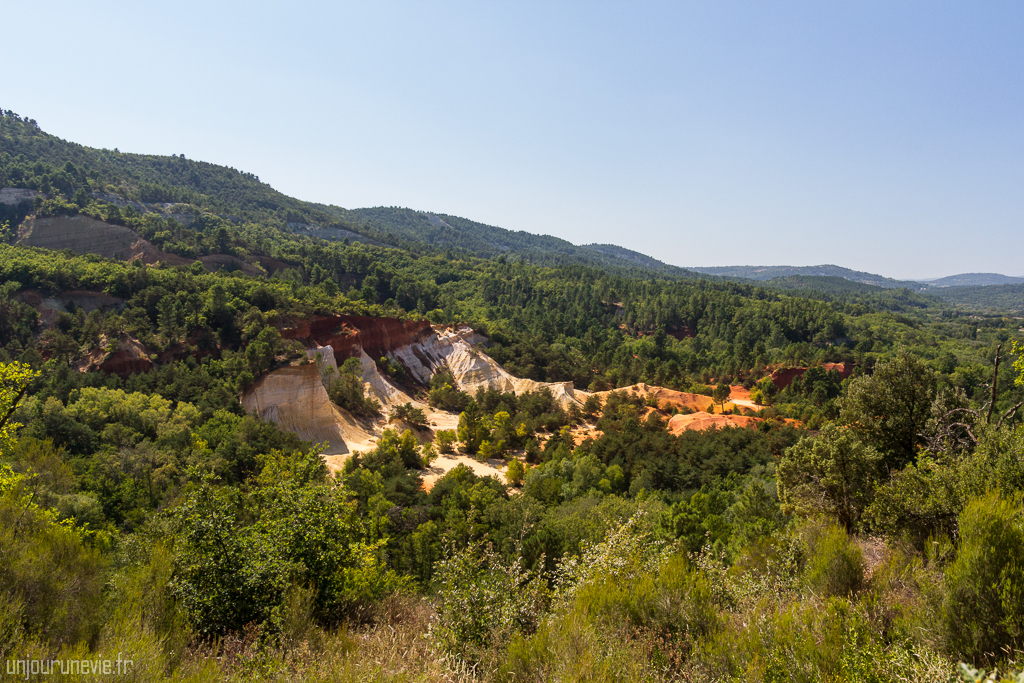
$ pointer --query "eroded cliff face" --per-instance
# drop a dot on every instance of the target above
(84, 235)
(122, 356)
(783, 377)
(295, 399)
(374, 383)
(418, 347)
(348, 335)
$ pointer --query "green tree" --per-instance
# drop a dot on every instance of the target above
(833, 473)
(470, 431)
(515, 472)
(15, 379)
(889, 409)
(766, 392)
(720, 394)
(409, 413)
(444, 439)
(239, 553)
(346, 389)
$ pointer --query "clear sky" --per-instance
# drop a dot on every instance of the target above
(880, 136)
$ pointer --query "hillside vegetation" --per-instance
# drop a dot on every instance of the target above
(827, 270)
(867, 527)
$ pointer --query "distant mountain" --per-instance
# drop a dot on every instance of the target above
(974, 280)
(763, 273)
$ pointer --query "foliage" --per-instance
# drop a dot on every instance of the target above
(484, 601)
(890, 408)
(239, 553)
(444, 439)
(14, 382)
(52, 575)
(514, 472)
(346, 389)
(832, 473)
(835, 565)
(408, 413)
(983, 609)
(444, 395)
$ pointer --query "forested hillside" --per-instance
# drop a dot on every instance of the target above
(996, 297)
(865, 523)
(186, 189)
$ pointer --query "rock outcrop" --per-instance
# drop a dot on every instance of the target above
(215, 262)
(374, 383)
(666, 398)
(122, 356)
(419, 348)
(783, 377)
(295, 399)
(85, 235)
(12, 196)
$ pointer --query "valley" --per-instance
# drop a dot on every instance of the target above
(244, 436)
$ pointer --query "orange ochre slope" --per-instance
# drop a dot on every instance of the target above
(699, 420)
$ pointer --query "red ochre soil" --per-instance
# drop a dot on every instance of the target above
(349, 333)
(128, 356)
(783, 377)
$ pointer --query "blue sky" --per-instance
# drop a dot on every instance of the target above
(880, 136)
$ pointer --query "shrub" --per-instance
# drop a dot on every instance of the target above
(444, 439)
(514, 473)
(674, 601)
(484, 601)
(983, 610)
(835, 564)
(50, 581)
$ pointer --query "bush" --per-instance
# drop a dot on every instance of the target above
(674, 601)
(414, 416)
(444, 439)
(484, 601)
(983, 610)
(515, 472)
(50, 581)
(619, 627)
(835, 564)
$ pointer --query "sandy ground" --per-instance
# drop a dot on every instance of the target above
(740, 396)
(446, 463)
(700, 421)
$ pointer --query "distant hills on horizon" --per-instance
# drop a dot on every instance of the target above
(767, 273)
(974, 280)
